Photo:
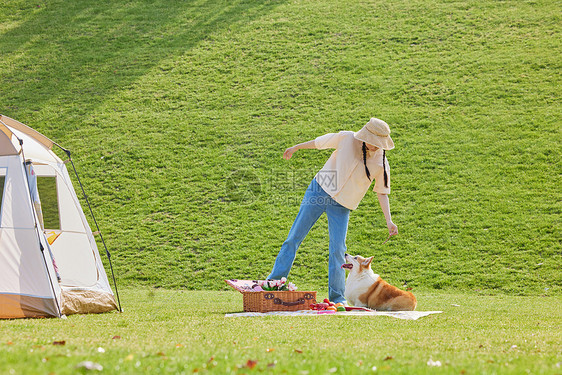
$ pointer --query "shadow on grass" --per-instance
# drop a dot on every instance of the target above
(71, 52)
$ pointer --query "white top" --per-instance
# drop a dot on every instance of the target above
(343, 176)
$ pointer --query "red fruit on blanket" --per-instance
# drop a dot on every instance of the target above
(319, 306)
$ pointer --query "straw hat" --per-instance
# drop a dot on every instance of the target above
(377, 133)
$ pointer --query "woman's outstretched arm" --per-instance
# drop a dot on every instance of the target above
(291, 150)
(385, 206)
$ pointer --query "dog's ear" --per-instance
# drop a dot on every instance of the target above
(367, 261)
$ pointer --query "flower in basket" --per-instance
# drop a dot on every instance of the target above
(282, 284)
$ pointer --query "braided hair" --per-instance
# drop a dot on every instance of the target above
(365, 161)
(364, 148)
(384, 168)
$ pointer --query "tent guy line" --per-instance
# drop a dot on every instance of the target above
(98, 231)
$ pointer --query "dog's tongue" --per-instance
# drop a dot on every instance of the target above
(347, 265)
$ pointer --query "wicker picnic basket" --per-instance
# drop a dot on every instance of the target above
(266, 301)
(277, 300)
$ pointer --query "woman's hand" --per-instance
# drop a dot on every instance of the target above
(392, 228)
(289, 152)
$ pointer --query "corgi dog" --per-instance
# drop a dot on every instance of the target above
(364, 288)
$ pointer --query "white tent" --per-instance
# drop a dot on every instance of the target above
(49, 260)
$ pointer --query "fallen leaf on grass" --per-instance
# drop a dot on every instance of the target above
(269, 350)
(162, 355)
(389, 358)
(251, 364)
(179, 345)
(272, 364)
(59, 342)
(116, 337)
(89, 365)
(298, 351)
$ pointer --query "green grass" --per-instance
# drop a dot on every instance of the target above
(178, 112)
(177, 332)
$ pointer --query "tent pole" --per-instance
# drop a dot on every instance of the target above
(36, 228)
(97, 227)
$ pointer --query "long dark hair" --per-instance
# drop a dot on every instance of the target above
(383, 164)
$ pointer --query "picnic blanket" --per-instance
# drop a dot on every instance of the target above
(406, 315)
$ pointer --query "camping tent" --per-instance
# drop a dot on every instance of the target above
(49, 260)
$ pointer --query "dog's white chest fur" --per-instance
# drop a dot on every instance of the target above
(358, 284)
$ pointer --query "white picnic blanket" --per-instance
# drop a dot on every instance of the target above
(407, 315)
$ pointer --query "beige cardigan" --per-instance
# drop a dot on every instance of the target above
(343, 176)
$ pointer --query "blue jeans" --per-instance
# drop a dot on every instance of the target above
(315, 202)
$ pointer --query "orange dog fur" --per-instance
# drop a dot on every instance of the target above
(364, 288)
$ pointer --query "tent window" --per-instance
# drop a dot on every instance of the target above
(47, 187)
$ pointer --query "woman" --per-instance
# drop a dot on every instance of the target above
(337, 189)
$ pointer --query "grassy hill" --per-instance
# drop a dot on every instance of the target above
(177, 113)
